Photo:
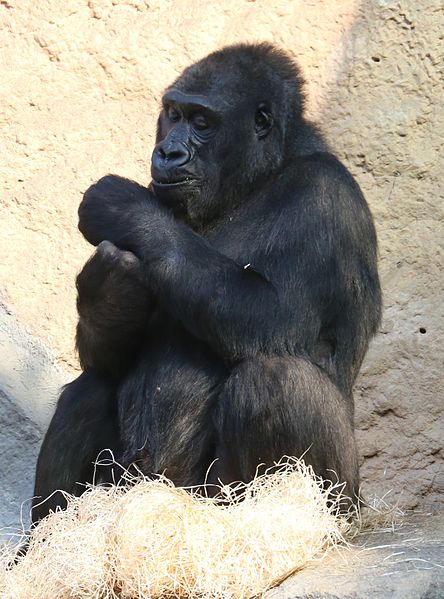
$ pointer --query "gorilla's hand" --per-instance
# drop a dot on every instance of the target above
(113, 208)
(110, 288)
(114, 308)
(107, 273)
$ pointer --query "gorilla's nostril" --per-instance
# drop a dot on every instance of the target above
(178, 157)
(178, 154)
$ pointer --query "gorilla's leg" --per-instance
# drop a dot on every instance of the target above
(84, 424)
(166, 406)
(271, 407)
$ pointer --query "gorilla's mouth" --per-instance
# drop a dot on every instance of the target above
(175, 194)
(169, 184)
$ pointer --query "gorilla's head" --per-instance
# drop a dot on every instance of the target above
(226, 127)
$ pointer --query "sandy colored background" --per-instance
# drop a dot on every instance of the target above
(80, 83)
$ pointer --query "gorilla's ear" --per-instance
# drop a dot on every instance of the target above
(263, 121)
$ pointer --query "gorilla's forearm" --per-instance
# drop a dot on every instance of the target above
(230, 306)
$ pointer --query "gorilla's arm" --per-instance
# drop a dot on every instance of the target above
(234, 309)
(114, 310)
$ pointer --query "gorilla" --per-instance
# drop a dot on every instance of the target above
(226, 311)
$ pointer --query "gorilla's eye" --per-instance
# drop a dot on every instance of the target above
(173, 114)
(261, 118)
(263, 121)
(199, 121)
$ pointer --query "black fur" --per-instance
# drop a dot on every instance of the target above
(228, 313)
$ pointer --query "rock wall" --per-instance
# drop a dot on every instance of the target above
(388, 125)
(81, 83)
(29, 384)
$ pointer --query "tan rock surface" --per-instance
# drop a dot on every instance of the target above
(80, 86)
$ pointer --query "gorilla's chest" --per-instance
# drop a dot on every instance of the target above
(239, 241)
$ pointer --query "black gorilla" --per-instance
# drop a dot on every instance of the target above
(228, 307)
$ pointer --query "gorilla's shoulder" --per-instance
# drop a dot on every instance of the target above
(321, 168)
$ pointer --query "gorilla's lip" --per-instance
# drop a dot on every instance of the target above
(175, 194)
(177, 183)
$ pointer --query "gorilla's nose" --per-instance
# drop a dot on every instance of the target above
(171, 154)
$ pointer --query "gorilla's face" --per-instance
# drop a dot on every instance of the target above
(183, 160)
(202, 159)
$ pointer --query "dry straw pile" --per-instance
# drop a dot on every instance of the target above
(152, 539)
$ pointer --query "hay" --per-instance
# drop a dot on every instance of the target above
(151, 539)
